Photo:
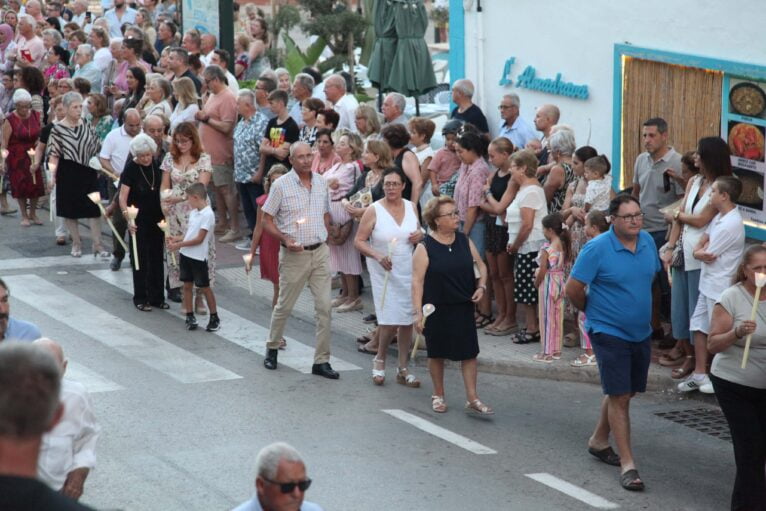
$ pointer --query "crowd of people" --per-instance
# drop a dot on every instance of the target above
(123, 109)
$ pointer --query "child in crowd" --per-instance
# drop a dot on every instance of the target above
(421, 130)
(597, 194)
(535, 145)
(194, 250)
(554, 256)
(595, 224)
(266, 245)
(444, 165)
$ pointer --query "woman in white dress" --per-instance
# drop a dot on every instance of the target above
(387, 234)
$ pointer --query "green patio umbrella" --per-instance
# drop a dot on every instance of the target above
(385, 43)
(412, 72)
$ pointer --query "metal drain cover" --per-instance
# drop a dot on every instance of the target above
(704, 420)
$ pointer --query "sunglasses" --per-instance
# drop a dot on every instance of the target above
(290, 487)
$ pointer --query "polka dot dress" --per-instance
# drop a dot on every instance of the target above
(524, 278)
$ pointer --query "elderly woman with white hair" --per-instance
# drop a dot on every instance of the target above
(73, 142)
(140, 187)
(555, 183)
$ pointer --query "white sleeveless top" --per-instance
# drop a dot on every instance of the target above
(692, 235)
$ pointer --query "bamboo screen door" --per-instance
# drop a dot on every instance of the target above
(688, 98)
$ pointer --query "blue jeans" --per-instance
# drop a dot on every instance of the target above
(684, 296)
(248, 192)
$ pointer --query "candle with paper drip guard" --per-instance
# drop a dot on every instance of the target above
(391, 245)
(95, 198)
(760, 281)
(4, 154)
(248, 259)
(31, 154)
(428, 309)
(163, 225)
(52, 168)
(131, 212)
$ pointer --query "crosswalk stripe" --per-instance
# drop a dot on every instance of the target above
(29, 263)
(93, 381)
(440, 432)
(240, 331)
(127, 339)
(573, 491)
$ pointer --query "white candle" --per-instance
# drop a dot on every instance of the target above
(31, 154)
(163, 225)
(428, 309)
(248, 259)
(132, 213)
(391, 245)
(760, 281)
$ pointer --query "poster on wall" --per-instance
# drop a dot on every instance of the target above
(745, 131)
(201, 15)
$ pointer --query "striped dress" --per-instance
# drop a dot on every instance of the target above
(551, 302)
(74, 178)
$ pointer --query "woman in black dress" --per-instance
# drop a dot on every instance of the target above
(443, 275)
(72, 145)
(140, 187)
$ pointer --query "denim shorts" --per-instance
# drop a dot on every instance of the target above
(622, 365)
(477, 235)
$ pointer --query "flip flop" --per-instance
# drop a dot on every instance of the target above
(606, 455)
(363, 349)
(627, 480)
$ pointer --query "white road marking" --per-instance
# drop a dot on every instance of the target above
(240, 331)
(573, 491)
(440, 432)
(127, 339)
(36, 263)
(93, 381)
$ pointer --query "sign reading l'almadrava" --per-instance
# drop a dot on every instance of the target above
(528, 80)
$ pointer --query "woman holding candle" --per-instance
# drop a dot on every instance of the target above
(387, 233)
(140, 187)
(184, 164)
(444, 276)
(73, 143)
(741, 392)
(20, 134)
(344, 258)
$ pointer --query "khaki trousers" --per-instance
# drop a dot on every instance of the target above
(295, 270)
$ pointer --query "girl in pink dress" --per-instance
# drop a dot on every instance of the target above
(553, 259)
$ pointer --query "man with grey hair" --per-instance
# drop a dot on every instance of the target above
(343, 103)
(30, 382)
(466, 110)
(86, 67)
(248, 173)
(512, 125)
(30, 49)
(393, 109)
(217, 119)
(297, 213)
(280, 481)
(303, 85)
(68, 451)
(114, 153)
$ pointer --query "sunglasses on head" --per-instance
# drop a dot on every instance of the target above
(290, 487)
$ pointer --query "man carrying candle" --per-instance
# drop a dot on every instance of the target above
(297, 213)
(618, 268)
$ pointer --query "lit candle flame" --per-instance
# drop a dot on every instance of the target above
(163, 225)
(760, 279)
(132, 212)
(301, 221)
(4, 153)
(95, 197)
(428, 309)
(31, 153)
(247, 258)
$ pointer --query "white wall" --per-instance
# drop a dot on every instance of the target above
(577, 39)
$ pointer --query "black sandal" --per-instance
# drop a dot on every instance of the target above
(628, 480)
(606, 455)
(527, 338)
(484, 320)
(164, 306)
(143, 307)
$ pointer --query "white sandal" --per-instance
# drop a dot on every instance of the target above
(404, 377)
(378, 375)
(479, 408)
(590, 360)
(438, 405)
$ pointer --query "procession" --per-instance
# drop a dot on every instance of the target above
(303, 255)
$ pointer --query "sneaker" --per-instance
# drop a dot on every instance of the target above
(230, 236)
(243, 245)
(214, 324)
(707, 387)
(690, 383)
(191, 323)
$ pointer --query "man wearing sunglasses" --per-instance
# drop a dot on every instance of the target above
(280, 481)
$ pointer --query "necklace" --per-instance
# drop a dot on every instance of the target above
(151, 185)
(448, 244)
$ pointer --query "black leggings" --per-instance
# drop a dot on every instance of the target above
(745, 411)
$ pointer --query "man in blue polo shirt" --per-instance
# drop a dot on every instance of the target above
(618, 268)
(12, 329)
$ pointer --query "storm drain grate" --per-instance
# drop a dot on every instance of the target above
(704, 420)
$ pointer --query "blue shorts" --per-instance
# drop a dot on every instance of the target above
(622, 365)
(477, 235)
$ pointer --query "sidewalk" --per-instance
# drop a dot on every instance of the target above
(498, 354)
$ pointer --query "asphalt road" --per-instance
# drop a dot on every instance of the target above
(184, 414)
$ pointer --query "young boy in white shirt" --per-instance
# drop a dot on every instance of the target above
(720, 249)
(194, 249)
(598, 191)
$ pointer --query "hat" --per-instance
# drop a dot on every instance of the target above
(21, 96)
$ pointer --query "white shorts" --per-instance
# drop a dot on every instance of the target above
(703, 315)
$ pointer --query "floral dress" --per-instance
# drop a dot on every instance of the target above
(178, 213)
(552, 302)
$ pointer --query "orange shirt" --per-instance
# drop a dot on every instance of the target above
(220, 147)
